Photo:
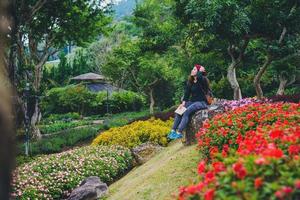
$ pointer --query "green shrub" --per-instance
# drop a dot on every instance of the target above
(72, 137)
(126, 101)
(56, 143)
(81, 100)
(61, 125)
(61, 117)
(54, 176)
(68, 99)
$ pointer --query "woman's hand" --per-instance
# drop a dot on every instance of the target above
(182, 104)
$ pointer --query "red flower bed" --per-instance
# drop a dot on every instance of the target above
(251, 152)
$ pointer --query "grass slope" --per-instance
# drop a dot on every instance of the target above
(160, 177)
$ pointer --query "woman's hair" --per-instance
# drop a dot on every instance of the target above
(205, 82)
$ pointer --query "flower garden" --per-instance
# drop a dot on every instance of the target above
(153, 130)
(54, 176)
(250, 152)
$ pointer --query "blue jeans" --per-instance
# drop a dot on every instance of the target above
(181, 121)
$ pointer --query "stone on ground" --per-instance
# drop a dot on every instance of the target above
(90, 189)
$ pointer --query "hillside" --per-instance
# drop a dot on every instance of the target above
(160, 177)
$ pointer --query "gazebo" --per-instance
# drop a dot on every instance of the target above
(95, 82)
(89, 77)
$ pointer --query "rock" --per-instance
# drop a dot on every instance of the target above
(90, 189)
(144, 152)
(98, 122)
(197, 119)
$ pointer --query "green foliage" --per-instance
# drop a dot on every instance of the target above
(126, 101)
(76, 98)
(61, 125)
(68, 99)
(71, 137)
(54, 176)
(74, 64)
(52, 118)
(56, 143)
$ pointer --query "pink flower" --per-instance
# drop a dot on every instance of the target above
(287, 189)
(260, 161)
(297, 184)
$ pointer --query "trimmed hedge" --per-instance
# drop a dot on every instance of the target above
(77, 98)
(55, 176)
(136, 133)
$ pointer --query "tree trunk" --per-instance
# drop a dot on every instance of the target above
(281, 87)
(35, 119)
(152, 101)
(257, 78)
(231, 76)
(235, 61)
(284, 83)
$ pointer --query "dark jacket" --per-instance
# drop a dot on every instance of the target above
(196, 91)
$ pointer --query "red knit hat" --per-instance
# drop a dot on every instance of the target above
(199, 67)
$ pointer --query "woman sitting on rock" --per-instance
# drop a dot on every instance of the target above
(194, 99)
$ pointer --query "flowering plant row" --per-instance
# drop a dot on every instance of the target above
(54, 176)
(251, 152)
(136, 133)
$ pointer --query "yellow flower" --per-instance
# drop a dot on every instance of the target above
(153, 130)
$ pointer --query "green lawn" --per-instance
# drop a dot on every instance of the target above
(160, 177)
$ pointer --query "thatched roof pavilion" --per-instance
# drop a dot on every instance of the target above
(95, 82)
(89, 77)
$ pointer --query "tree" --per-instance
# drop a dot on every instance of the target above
(276, 23)
(287, 70)
(238, 23)
(228, 22)
(47, 26)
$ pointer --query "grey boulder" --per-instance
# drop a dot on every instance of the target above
(196, 121)
(90, 189)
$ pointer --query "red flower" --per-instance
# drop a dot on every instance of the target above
(213, 151)
(273, 153)
(276, 134)
(239, 170)
(209, 177)
(209, 194)
(206, 124)
(260, 161)
(294, 149)
(218, 167)
(193, 189)
(258, 182)
(201, 167)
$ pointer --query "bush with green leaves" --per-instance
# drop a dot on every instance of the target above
(73, 98)
(69, 138)
(61, 126)
(56, 143)
(77, 98)
(55, 176)
(126, 101)
(52, 118)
